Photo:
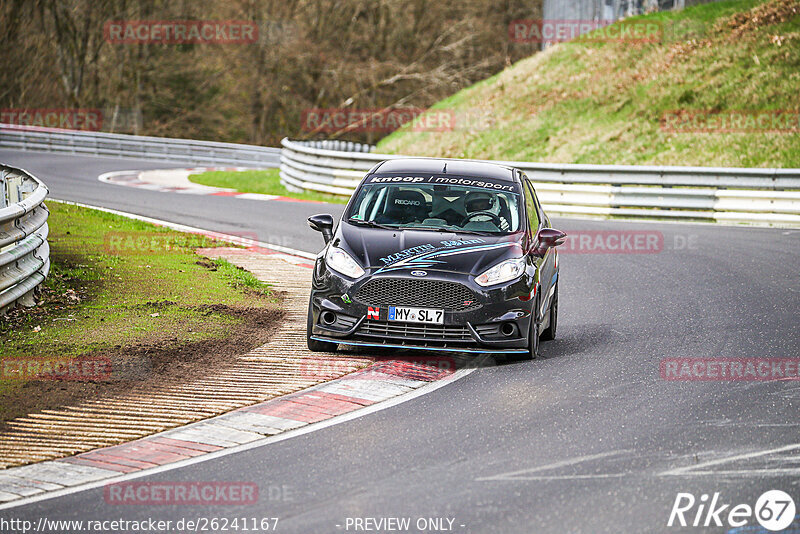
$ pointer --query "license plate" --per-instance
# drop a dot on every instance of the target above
(416, 315)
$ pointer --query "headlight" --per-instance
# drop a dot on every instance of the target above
(339, 260)
(502, 272)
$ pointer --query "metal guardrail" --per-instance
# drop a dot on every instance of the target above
(24, 252)
(336, 144)
(765, 196)
(191, 152)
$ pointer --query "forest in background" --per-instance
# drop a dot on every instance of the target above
(310, 54)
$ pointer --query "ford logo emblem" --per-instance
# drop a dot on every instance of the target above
(419, 273)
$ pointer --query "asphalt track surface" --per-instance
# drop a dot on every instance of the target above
(588, 438)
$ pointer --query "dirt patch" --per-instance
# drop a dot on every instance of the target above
(207, 263)
(733, 28)
(147, 367)
(762, 15)
(61, 292)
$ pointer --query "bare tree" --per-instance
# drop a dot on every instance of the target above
(76, 27)
(377, 54)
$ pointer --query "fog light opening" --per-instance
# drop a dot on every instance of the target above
(328, 317)
(508, 329)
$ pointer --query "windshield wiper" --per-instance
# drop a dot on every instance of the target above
(371, 224)
(452, 230)
(436, 228)
(477, 232)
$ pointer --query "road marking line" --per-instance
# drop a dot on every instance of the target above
(517, 475)
(694, 469)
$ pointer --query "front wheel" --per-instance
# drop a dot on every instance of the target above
(533, 338)
(533, 335)
(313, 344)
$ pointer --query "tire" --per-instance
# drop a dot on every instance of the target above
(313, 344)
(550, 333)
(533, 338)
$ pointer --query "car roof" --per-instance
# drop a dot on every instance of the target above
(478, 169)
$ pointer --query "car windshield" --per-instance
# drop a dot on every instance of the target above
(436, 206)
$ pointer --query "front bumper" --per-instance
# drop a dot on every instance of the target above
(497, 321)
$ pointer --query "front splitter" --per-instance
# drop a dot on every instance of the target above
(418, 347)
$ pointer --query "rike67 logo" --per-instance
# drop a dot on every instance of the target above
(774, 510)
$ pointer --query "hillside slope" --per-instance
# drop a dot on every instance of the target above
(626, 103)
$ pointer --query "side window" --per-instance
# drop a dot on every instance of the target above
(542, 215)
(543, 219)
(531, 208)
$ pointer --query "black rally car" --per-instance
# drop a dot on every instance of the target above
(437, 255)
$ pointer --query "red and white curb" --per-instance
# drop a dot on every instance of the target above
(383, 384)
(177, 181)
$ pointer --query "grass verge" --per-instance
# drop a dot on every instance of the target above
(136, 295)
(266, 182)
(606, 102)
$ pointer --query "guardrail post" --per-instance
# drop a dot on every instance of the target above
(3, 193)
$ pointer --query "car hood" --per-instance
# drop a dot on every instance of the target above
(383, 251)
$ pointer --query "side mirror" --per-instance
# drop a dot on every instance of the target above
(548, 238)
(322, 223)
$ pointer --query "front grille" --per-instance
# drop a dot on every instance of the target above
(425, 332)
(418, 293)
